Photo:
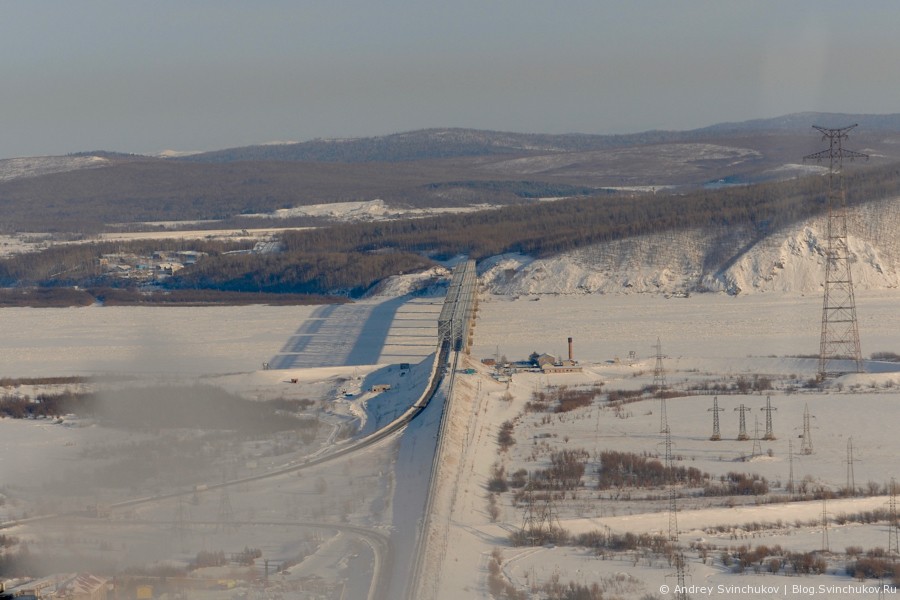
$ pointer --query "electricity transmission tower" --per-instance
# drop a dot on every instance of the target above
(893, 527)
(790, 487)
(539, 516)
(770, 434)
(673, 495)
(806, 446)
(757, 448)
(225, 521)
(659, 382)
(742, 432)
(825, 546)
(680, 577)
(715, 410)
(851, 476)
(840, 332)
(180, 524)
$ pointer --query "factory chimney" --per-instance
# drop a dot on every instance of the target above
(571, 355)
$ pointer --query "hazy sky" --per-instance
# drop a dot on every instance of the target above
(144, 76)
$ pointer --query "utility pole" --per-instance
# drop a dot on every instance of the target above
(715, 410)
(840, 331)
(825, 547)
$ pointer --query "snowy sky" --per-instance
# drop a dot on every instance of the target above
(206, 74)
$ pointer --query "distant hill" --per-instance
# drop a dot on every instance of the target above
(428, 144)
(432, 168)
(801, 122)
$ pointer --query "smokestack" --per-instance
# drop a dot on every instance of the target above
(571, 356)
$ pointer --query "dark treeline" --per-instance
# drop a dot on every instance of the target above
(203, 297)
(299, 272)
(549, 228)
(57, 297)
(546, 229)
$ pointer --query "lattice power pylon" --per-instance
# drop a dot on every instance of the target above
(180, 524)
(225, 520)
(790, 486)
(742, 432)
(659, 382)
(770, 434)
(539, 516)
(680, 574)
(806, 446)
(715, 410)
(851, 476)
(893, 527)
(757, 447)
(840, 332)
(673, 493)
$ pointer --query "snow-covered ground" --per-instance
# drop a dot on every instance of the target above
(329, 355)
(724, 259)
(17, 168)
(336, 353)
(364, 210)
(715, 338)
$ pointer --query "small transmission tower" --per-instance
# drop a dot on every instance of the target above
(715, 410)
(680, 575)
(673, 494)
(893, 527)
(537, 517)
(806, 446)
(851, 476)
(180, 524)
(790, 486)
(757, 448)
(825, 546)
(225, 521)
(659, 382)
(742, 432)
(840, 332)
(770, 434)
(532, 525)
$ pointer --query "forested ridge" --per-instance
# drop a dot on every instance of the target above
(351, 258)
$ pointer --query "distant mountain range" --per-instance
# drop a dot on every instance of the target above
(421, 169)
(428, 144)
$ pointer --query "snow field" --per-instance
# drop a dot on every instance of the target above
(709, 337)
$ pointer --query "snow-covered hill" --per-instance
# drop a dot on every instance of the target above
(16, 168)
(717, 260)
